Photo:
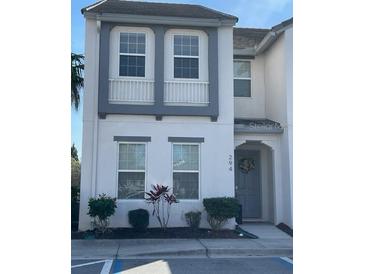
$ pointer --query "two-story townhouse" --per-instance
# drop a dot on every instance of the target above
(165, 103)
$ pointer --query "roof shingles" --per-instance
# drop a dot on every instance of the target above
(247, 37)
(157, 9)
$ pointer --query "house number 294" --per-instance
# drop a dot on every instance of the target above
(230, 163)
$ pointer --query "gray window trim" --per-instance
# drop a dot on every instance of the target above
(132, 138)
(158, 109)
(186, 139)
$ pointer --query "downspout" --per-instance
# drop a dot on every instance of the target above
(96, 121)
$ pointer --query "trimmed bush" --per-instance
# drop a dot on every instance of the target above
(219, 210)
(139, 219)
(193, 219)
(101, 208)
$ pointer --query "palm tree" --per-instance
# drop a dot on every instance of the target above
(77, 79)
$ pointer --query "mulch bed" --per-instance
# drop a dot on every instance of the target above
(158, 233)
(283, 227)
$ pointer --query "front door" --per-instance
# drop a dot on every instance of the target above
(247, 182)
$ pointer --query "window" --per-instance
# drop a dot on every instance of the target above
(186, 56)
(242, 78)
(132, 54)
(186, 171)
(131, 171)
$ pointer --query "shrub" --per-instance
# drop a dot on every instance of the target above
(193, 219)
(139, 219)
(219, 210)
(161, 200)
(101, 208)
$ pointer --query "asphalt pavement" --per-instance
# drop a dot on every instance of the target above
(246, 265)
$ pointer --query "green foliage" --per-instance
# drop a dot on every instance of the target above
(193, 219)
(139, 219)
(74, 154)
(101, 208)
(75, 172)
(219, 210)
(77, 79)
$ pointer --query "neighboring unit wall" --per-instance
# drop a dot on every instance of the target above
(278, 84)
(254, 106)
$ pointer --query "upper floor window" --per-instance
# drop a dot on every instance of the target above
(186, 56)
(132, 54)
(242, 78)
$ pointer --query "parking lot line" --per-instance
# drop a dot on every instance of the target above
(287, 259)
(90, 263)
(107, 266)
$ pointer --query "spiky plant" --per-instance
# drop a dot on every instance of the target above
(161, 200)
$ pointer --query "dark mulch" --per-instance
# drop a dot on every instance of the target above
(285, 228)
(158, 233)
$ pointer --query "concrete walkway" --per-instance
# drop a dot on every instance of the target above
(265, 231)
(172, 248)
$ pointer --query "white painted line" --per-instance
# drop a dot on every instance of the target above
(107, 266)
(90, 263)
(287, 259)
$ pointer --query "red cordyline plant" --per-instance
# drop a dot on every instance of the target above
(161, 200)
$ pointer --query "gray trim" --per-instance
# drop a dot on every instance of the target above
(159, 64)
(186, 139)
(132, 139)
(248, 51)
(245, 129)
(213, 71)
(250, 57)
(158, 109)
(161, 20)
(103, 69)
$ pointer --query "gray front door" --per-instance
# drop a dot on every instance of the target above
(248, 183)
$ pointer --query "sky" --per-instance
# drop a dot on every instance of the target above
(251, 13)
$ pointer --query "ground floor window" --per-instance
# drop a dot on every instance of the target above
(131, 170)
(186, 164)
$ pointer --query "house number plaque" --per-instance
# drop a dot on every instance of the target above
(230, 162)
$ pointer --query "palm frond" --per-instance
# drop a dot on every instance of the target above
(77, 79)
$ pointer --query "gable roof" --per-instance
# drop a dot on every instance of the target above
(156, 9)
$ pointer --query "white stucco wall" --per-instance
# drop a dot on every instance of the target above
(254, 106)
(90, 119)
(215, 178)
(279, 107)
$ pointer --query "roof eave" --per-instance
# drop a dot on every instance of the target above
(270, 38)
(163, 20)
